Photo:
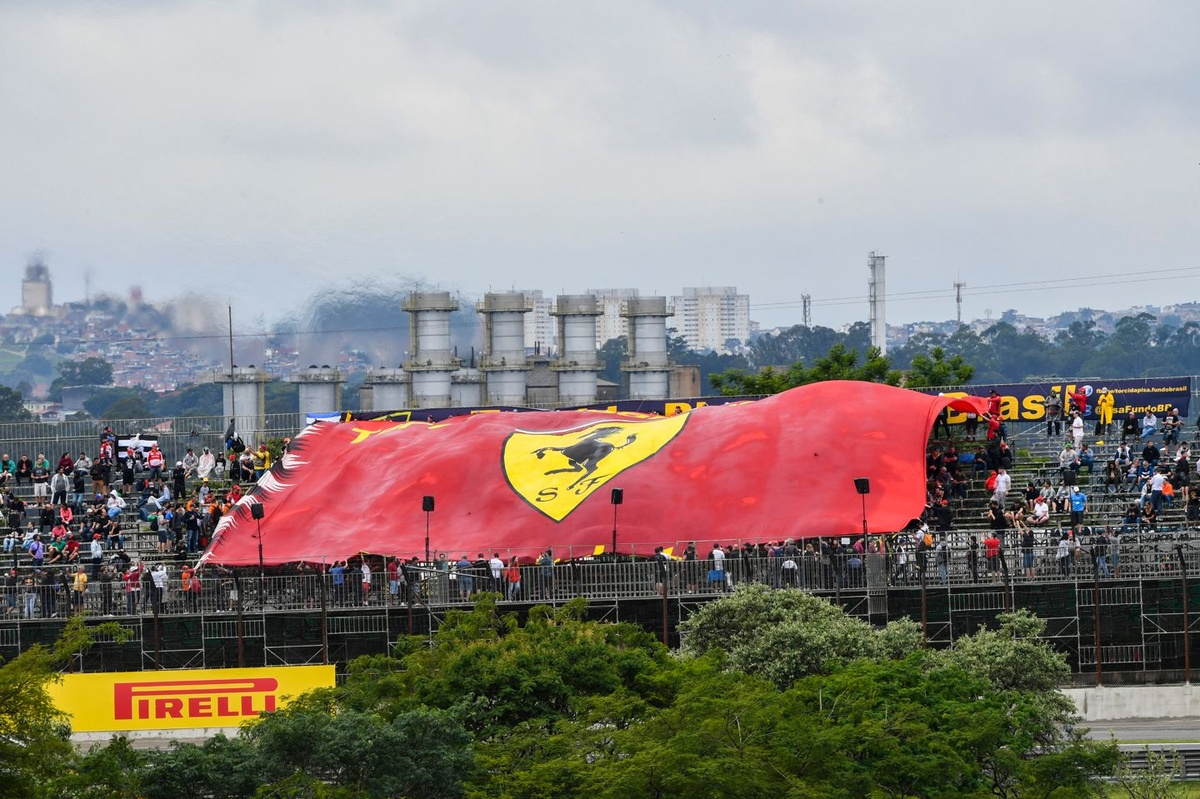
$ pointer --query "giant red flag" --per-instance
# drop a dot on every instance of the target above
(518, 483)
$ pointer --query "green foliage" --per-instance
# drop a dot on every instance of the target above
(935, 370)
(417, 753)
(12, 406)
(33, 732)
(1157, 780)
(221, 768)
(784, 636)
(840, 363)
(90, 371)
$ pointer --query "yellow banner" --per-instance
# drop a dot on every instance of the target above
(172, 700)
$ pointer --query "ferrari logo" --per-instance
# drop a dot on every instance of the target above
(554, 472)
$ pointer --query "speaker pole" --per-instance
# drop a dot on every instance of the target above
(617, 497)
(427, 504)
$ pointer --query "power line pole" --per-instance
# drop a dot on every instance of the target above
(958, 287)
(806, 300)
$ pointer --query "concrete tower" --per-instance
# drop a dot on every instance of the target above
(37, 295)
(877, 296)
(384, 390)
(320, 389)
(647, 365)
(577, 363)
(242, 400)
(503, 361)
(431, 363)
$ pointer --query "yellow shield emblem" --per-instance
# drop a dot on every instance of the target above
(556, 471)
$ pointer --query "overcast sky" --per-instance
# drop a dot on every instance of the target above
(1045, 154)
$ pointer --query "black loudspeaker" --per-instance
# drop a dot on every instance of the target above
(618, 496)
(256, 510)
(427, 504)
(862, 485)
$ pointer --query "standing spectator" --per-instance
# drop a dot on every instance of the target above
(1100, 553)
(513, 579)
(1078, 508)
(1105, 403)
(1077, 429)
(496, 569)
(466, 580)
(991, 553)
(1157, 480)
(366, 582)
(1028, 542)
(60, 486)
(1003, 485)
(1054, 413)
(262, 461)
(133, 589)
(96, 553)
(1063, 554)
(546, 572)
(40, 474)
(1171, 425)
(337, 573)
(78, 589)
(1080, 400)
(158, 586)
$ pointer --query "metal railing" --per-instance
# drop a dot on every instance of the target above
(48, 591)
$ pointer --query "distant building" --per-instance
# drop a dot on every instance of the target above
(541, 329)
(610, 323)
(37, 296)
(710, 318)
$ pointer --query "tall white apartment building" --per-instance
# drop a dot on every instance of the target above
(709, 317)
(541, 329)
(610, 324)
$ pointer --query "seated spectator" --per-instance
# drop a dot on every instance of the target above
(1149, 518)
(1123, 457)
(1112, 477)
(1085, 459)
(1041, 513)
(1150, 454)
(1068, 461)
(1149, 426)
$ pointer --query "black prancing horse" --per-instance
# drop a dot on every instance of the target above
(586, 453)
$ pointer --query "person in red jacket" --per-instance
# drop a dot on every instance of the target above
(1080, 400)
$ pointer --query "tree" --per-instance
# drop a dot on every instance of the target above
(12, 406)
(34, 734)
(129, 407)
(613, 353)
(935, 370)
(840, 363)
(91, 371)
(784, 636)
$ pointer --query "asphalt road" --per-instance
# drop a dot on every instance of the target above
(1183, 730)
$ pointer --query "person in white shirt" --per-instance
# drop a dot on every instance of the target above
(717, 575)
(1003, 484)
(1149, 426)
(1077, 429)
(205, 464)
(366, 582)
(496, 567)
(1041, 513)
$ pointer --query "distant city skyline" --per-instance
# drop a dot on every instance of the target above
(257, 152)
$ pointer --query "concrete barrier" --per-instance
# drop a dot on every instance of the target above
(1136, 702)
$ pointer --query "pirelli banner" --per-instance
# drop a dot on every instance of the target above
(1027, 401)
(171, 700)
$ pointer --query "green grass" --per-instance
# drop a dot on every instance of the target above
(10, 358)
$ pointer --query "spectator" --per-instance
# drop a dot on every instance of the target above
(1077, 429)
(262, 461)
(991, 553)
(1078, 508)
(1063, 554)
(1150, 455)
(1041, 513)
(1068, 462)
(1105, 403)
(40, 475)
(24, 470)
(1157, 480)
(205, 464)
(1123, 456)
(8, 469)
(1054, 413)
(1100, 553)
(1129, 427)
(1086, 462)
(1149, 426)
(1171, 425)
(1112, 477)
(1003, 484)
(1028, 542)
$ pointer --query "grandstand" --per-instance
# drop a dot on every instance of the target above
(1129, 627)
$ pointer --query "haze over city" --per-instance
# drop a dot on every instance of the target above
(260, 152)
